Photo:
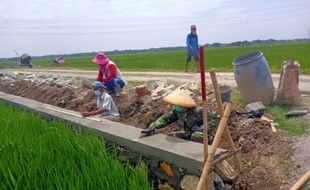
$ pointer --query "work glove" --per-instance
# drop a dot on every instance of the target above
(147, 132)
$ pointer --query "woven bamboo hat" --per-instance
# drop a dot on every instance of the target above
(180, 97)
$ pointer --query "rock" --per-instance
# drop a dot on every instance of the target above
(297, 112)
(141, 90)
(189, 182)
(219, 184)
(256, 106)
(228, 187)
(225, 171)
(132, 90)
(258, 171)
(30, 76)
(1, 74)
(190, 86)
(151, 84)
(165, 186)
(166, 168)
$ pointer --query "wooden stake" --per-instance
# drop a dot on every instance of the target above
(221, 112)
(215, 143)
(303, 180)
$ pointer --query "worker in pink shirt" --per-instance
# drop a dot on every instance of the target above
(109, 74)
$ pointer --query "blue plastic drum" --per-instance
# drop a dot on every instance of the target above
(253, 78)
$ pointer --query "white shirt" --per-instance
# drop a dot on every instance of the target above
(105, 101)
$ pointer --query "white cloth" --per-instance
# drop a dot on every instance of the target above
(105, 101)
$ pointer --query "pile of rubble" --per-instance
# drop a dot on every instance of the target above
(39, 79)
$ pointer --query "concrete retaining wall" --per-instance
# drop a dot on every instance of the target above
(182, 157)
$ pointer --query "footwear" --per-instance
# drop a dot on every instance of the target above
(118, 91)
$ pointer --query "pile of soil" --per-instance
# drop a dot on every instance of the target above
(265, 154)
(262, 150)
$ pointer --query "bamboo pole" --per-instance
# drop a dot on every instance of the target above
(204, 103)
(215, 143)
(303, 180)
(221, 112)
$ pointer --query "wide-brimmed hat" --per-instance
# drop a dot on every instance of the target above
(100, 59)
(180, 97)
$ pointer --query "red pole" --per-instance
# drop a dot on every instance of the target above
(204, 102)
(202, 73)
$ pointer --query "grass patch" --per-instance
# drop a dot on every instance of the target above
(37, 154)
(236, 98)
(219, 58)
(293, 125)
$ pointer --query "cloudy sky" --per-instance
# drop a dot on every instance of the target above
(42, 27)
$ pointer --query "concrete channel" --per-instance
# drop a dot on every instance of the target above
(183, 157)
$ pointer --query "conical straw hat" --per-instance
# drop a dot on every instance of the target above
(180, 97)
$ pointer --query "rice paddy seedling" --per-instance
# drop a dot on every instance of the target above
(40, 154)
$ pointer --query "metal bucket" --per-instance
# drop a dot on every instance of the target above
(225, 92)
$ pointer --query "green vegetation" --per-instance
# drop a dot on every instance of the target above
(219, 58)
(293, 125)
(38, 154)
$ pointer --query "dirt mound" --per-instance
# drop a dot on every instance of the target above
(264, 153)
(69, 98)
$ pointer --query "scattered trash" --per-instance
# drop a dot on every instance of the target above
(267, 118)
(256, 106)
(273, 127)
(288, 92)
(251, 114)
(297, 112)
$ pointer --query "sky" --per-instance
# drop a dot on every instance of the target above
(45, 27)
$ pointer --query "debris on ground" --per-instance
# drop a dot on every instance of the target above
(255, 106)
(297, 112)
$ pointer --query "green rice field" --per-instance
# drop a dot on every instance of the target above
(40, 154)
(219, 58)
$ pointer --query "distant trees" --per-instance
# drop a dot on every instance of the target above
(128, 51)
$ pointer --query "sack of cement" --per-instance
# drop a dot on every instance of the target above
(288, 91)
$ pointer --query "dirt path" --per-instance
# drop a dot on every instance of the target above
(223, 77)
(302, 151)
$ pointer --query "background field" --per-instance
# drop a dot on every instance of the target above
(219, 58)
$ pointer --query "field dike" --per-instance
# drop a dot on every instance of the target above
(262, 150)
